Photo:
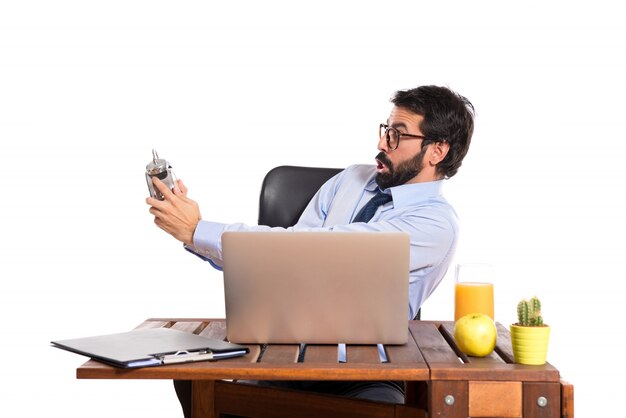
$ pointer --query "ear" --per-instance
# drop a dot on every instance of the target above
(438, 152)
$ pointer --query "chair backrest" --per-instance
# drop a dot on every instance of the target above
(287, 190)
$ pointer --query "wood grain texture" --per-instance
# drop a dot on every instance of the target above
(203, 399)
(430, 363)
(154, 324)
(567, 400)
(495, 399)
(405, 411)
(503, 344)
(437, 406)
(405, 353)
(215, 329)
(320, 354)
(449, 364)
(432, 345)
(366, 354)
(193, 327)
(263, 402)
(281, 354)
(550, 391)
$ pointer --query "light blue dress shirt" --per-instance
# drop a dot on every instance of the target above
(418, 209)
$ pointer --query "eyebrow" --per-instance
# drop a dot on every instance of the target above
(398, 125)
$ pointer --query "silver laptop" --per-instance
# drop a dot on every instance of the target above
(316, 287)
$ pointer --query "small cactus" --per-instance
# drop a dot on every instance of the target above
(529, 312)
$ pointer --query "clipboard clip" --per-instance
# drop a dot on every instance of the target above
(185, 356)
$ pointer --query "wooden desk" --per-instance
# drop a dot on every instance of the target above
(441, 382)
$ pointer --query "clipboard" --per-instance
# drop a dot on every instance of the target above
(151, 347)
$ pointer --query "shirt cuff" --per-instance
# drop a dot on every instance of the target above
(207, 242)
(208, 237)
(198, 254)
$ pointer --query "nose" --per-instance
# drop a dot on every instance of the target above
(382, 144)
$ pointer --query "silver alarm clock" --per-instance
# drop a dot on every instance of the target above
(162, 170)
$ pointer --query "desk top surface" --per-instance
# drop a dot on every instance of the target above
(430, 354)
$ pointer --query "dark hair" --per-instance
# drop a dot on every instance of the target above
(448, 116)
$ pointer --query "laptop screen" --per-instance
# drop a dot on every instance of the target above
(316, 287)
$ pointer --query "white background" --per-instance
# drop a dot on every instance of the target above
(228, 90)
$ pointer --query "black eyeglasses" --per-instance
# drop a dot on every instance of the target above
(392, 135)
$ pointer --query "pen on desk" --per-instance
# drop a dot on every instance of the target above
(186, 356)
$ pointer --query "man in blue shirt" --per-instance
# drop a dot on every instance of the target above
(423, 142)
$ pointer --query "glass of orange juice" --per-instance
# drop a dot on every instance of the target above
(473, 289)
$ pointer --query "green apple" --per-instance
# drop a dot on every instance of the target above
(475, 334)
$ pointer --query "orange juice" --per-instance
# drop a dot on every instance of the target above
(470, 297)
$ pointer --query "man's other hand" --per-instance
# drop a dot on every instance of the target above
(176, 214)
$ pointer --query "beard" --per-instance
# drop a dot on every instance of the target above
(405, 171)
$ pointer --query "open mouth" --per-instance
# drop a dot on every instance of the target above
(380, 166)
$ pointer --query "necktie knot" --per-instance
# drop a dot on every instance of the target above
(368, 211)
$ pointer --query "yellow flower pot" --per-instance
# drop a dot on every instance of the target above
(530, 344)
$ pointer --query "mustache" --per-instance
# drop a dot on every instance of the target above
(382, 157)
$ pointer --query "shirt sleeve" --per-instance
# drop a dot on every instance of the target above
(207, 243)
(433, 240)
(207, 239)
(431, 236)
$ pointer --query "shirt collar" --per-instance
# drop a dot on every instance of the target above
(409, 194)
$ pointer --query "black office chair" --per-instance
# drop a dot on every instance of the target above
(287, 190)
